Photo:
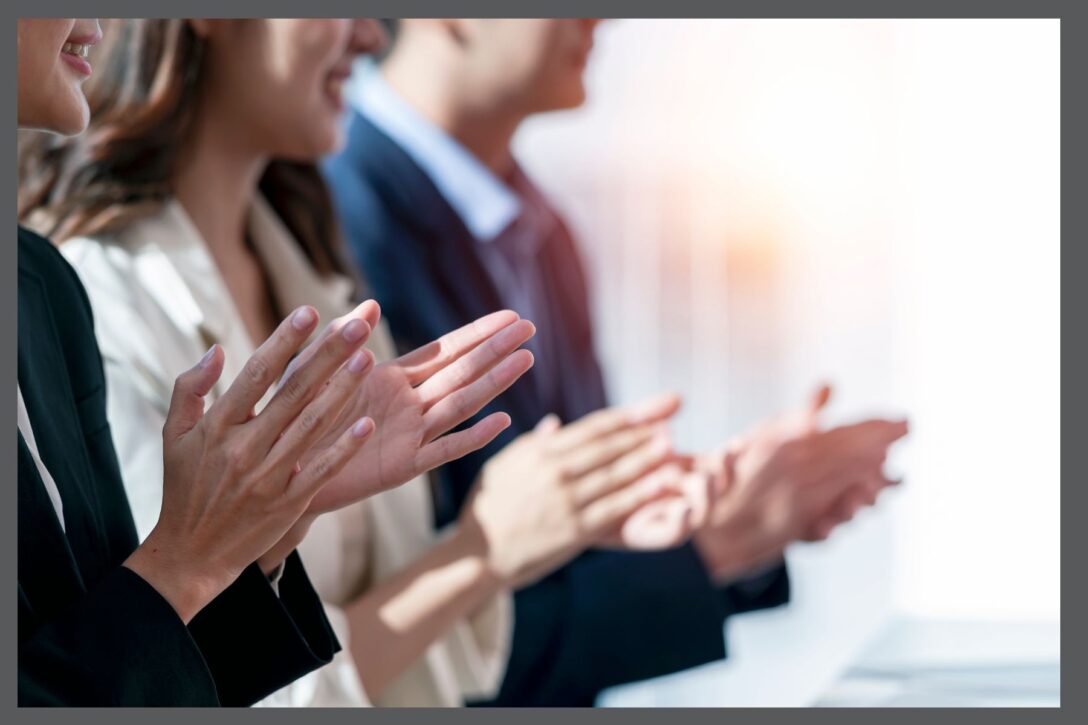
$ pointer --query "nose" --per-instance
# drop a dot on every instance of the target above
(368, 36)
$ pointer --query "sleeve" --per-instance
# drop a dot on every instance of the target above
(761, 590)
(335, 552)
(255, 642)
(479, 660)
(612, 618)
(336, 684)
(122, 644)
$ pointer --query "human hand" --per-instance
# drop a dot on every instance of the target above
(555, 491)
(417, 398)
(788, 481)
(233, 486)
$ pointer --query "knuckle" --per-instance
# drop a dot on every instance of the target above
(293, 390)
(311, 419)
(257, 371)
(321, 467)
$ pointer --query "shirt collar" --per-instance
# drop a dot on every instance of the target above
(484, 203)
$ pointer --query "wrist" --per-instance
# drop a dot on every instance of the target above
(271, 561)
(469, 544)
(726, 551)
(186, 588)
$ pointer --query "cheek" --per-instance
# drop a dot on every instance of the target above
(52, 97)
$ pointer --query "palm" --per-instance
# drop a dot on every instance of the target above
(392, 455)
(417, 398)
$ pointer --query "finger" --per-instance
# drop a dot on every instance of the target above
(612, 419)
(622, 472)
(875, 434)
(548, 424)
(455, 445)
(367, 311)
(470, 366)
(660, 524)
(313, 422)
(605, 449)
(817, 403)
(300, 388)
(461, 405)
(264, 367)
(820, 398)
(606, 512)
(308, 481)
(190, 388)
(423, 362)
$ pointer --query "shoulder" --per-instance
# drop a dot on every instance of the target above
(39, 257)
(107, 271)
(130, 324)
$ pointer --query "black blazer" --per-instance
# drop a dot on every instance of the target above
(92, 632)
(608, 617)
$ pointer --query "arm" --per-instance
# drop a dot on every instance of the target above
(404, 615)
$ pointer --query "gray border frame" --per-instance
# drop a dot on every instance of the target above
(1074, 193)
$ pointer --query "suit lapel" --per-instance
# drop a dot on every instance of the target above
(43, 379)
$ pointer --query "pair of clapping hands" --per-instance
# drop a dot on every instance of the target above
(612, 479)
(242, 486)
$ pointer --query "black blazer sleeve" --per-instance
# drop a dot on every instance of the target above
(92, 632)
(120, 644)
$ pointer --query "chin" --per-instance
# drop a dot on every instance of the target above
(567, 100)
(70, 122)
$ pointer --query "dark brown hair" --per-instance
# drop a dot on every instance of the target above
(144, 100)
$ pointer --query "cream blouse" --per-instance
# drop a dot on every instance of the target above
(159, 303)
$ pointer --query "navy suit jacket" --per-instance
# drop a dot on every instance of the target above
(607, 617)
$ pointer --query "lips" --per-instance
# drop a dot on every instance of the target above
(77, 47)
(334, 86)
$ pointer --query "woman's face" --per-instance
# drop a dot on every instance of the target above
(279, 80)
(52, 65)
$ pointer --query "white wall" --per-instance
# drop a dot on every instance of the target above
(763, 204)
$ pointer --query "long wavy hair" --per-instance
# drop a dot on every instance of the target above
(144, 100)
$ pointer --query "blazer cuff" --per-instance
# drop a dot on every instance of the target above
(255, 642)
(762, 590)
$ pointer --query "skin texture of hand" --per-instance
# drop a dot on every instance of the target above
(417, 398)
(786, 480)
(555, 491)
(232, 485)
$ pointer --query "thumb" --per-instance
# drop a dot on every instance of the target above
(187, 402)
(819, 398)
(817, 403)
(548, 424)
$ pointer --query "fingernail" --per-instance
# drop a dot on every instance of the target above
(303, 318)
(354, 330)
(207, 359)
(359, 362)
(362, 428)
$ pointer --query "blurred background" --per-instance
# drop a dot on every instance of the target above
(766, 204)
